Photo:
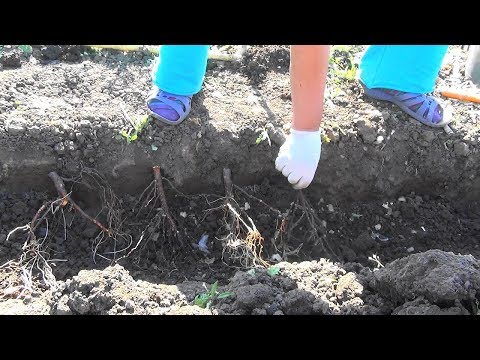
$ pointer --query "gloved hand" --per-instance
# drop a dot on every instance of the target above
(298, 157)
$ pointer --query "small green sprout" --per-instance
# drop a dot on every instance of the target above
(347, 74)
(205, 300)
(325, 138)
(263, 136)
(343, 63)
(273, 270)
(27, 49)
(132, 134)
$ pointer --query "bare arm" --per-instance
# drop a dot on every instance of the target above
(308, 74)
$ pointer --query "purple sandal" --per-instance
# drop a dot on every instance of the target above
(421, 107)
(168, 108)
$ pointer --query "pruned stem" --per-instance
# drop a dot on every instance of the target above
(163, 200)
(60, 186)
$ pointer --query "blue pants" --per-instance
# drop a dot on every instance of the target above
(181, 68)
(412, 68)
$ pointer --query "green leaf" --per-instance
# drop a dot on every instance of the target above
(134, 137)
(141, 124)
(27, 49)
(273, 270)
(202, 300)
(325, 138)
(145, 120)
(213, 290)
(225, 295)
(259, 140)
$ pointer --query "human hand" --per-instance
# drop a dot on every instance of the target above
(298, 157)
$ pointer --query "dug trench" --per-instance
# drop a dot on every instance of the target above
(389, 226)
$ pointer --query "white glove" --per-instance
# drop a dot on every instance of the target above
(298, 157)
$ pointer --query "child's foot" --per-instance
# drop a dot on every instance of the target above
(168, 108)
(421, 107)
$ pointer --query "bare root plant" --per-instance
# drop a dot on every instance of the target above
(279, 242)
(112, 242)
(153, 214)
(34, 256)
(243, 243)
(299, 224)
(301, 216)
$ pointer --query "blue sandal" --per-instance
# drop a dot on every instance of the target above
(170, 105)
(426, 112)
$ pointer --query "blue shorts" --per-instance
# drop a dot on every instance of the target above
(412, 68)
(181, 68)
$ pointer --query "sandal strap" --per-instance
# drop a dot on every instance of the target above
(409, 96)
(176, 103)
(424, 108)
(428, 105)
(433, 104)
(180, 103)
(425, 112)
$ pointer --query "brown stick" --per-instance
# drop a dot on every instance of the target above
(158, 181)
(229, 200)
(33, 224)
(60, 186)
